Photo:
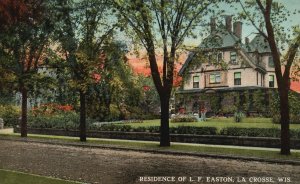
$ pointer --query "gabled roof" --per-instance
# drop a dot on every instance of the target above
(259, 44)
(221, 38)
(186, 63)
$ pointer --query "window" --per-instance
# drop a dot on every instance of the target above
(233, 59)
(271, 81)
(220, 57)
(271, 62)
(196, 82)
(209, 59)
(237, 78)
(214, 78)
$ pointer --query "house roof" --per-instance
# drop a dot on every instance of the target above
(186, 63)
(259, 44)
(222, 38)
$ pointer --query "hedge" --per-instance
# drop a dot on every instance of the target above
(183, 118)
(70, 121)
(194, 130)
(155, 129)
(66, 121)
(257, 132)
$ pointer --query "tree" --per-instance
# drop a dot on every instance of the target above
(162, 26)
(24, 42)
(83, 28)
(116, 76)
(12, 12)
(267, 17)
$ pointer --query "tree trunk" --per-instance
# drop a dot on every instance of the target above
(24, 111)
(164, 121)
(82, 126)
(284, 121)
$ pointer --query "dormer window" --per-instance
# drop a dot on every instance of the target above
(233, 59)
(217, 41)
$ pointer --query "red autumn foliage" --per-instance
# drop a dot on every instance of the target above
(50, 109)
(140, 66)
(12, 11)
(146, 88)
(17, 11)
(295, 86)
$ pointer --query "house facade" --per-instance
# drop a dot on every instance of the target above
(227, 70)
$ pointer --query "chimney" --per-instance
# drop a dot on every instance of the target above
(213, 24)
(237, 29)
(228, 20)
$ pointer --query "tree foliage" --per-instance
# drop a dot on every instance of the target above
(161, 27)
(24, 43)
(83, 28)
(268, 18)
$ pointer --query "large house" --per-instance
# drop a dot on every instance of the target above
(226, 71)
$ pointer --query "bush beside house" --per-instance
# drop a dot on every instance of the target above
(10, 115)
(294, 99)
(183, 118)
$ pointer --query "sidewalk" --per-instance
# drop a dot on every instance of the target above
(7, 131)
(72, 141)
(10, 131)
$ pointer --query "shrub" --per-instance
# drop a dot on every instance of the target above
(156, 129)
(251, 132)
(140, 129)
(153, 129)
(295, 134)
(294, 119)
(194, 130)
(50, 109)
(294, 106)
(10, 115)
(66, 121)
(183, 118)
(108, 127)
(238, 116)
(133, 121)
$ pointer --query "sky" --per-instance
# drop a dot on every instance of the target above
(249, 30)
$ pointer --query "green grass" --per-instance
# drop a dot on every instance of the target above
(220, 123)
(12, 177)
(193, 148)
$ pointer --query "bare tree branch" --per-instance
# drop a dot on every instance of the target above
(252, 21)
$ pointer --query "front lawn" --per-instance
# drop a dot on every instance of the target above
(220, 123)
(265, 153)
(12, 177)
